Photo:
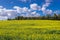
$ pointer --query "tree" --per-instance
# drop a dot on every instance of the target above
(58, 16)
(48, 16)
(19, 17)
(55, 16)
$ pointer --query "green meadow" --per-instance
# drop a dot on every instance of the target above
(30, 30)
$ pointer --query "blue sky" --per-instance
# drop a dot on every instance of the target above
(13, 8)
(55, 4)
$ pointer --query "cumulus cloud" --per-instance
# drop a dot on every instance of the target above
(21, 10)
(5, 13)
(3, 17)
(2, 13)
(47, 2)
(35, 6)
(44, 7)
(33, 12)
(18, 9)
(24, 11)
(11, 13)
(48, 11)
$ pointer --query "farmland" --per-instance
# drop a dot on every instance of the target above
(30, 30)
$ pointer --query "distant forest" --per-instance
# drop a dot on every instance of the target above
(47, 17)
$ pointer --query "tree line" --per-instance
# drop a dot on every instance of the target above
(47, 17)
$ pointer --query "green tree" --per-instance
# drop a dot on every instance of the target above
(55, 16)
(58, 16)
(48, 16)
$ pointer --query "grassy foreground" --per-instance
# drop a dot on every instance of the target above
(30, 30)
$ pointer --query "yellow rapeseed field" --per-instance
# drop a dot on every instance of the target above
(30, 30)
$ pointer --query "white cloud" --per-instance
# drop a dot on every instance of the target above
(48, 11)
(33, 12)
(18, 9)
(11, 13)
(1, 7)
(44, 7)
(37, 15)
(2, 12)
(3, 17)
(24, 1)
(57, 11)
(5, 13)
(34, 6)
(48, 1)
(24, 11)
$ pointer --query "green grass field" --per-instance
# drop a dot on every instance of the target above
(30, 30)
